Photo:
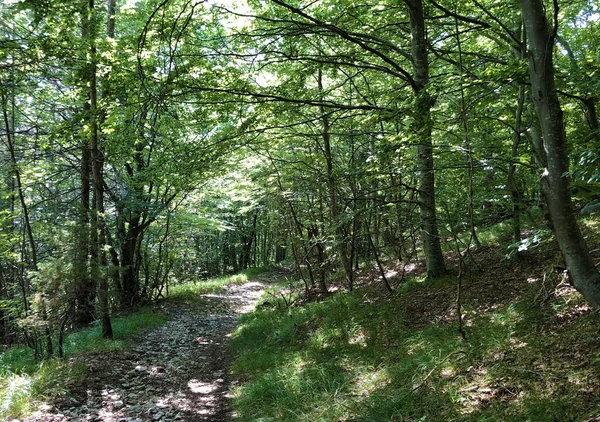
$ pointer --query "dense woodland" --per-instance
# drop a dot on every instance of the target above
(149, 143)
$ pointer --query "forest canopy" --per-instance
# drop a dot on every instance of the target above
(150, 143)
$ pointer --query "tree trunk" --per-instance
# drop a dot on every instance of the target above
(340, 241)
(19, 185)
(129, 278)
(423, 126)
(97, 165)
(85, 289)
(469, 152)
(515, 192)
(584, 275)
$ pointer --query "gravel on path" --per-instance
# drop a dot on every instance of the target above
(178, 372)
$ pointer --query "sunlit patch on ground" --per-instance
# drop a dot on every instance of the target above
(370, 381)
(200, 387)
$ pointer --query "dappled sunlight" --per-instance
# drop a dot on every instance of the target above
(481, 391)
(366, 382)
(351, 356)
(200, 387)
(178, 371)
(359, 337)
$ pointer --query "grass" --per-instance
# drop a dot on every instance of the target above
(360, 356)
(25, 382)
(193, 290)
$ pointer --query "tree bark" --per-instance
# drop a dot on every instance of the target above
(469, 152)
(85, 289)
(423, 127)
(584, 275)
(515, 192)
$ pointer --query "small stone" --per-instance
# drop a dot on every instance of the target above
(134, 408)
(46, 408)
(118, 404)
(140, 368)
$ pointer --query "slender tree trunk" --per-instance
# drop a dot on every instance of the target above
(298, 228)
(85, 289)
(19, 184)
(515, 192)
(340, 241)
(469, 153)
(97, 165)
(423, 127)
(584, 275)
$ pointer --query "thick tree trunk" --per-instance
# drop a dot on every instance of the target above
(584, 275)
(423, 127)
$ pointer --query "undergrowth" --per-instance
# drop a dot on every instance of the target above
(532, 352)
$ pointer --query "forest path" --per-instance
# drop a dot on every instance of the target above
(178, 372)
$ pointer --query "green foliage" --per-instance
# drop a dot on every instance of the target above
(230, 142)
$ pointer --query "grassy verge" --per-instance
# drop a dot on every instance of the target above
(24, 383)
(361, 357)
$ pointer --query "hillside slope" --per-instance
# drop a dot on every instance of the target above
(532, 349)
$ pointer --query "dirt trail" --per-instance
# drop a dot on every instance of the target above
(178, 372)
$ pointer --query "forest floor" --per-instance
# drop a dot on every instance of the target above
(530, 350)
(178, 372)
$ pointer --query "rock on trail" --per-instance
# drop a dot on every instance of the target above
(178, 372)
